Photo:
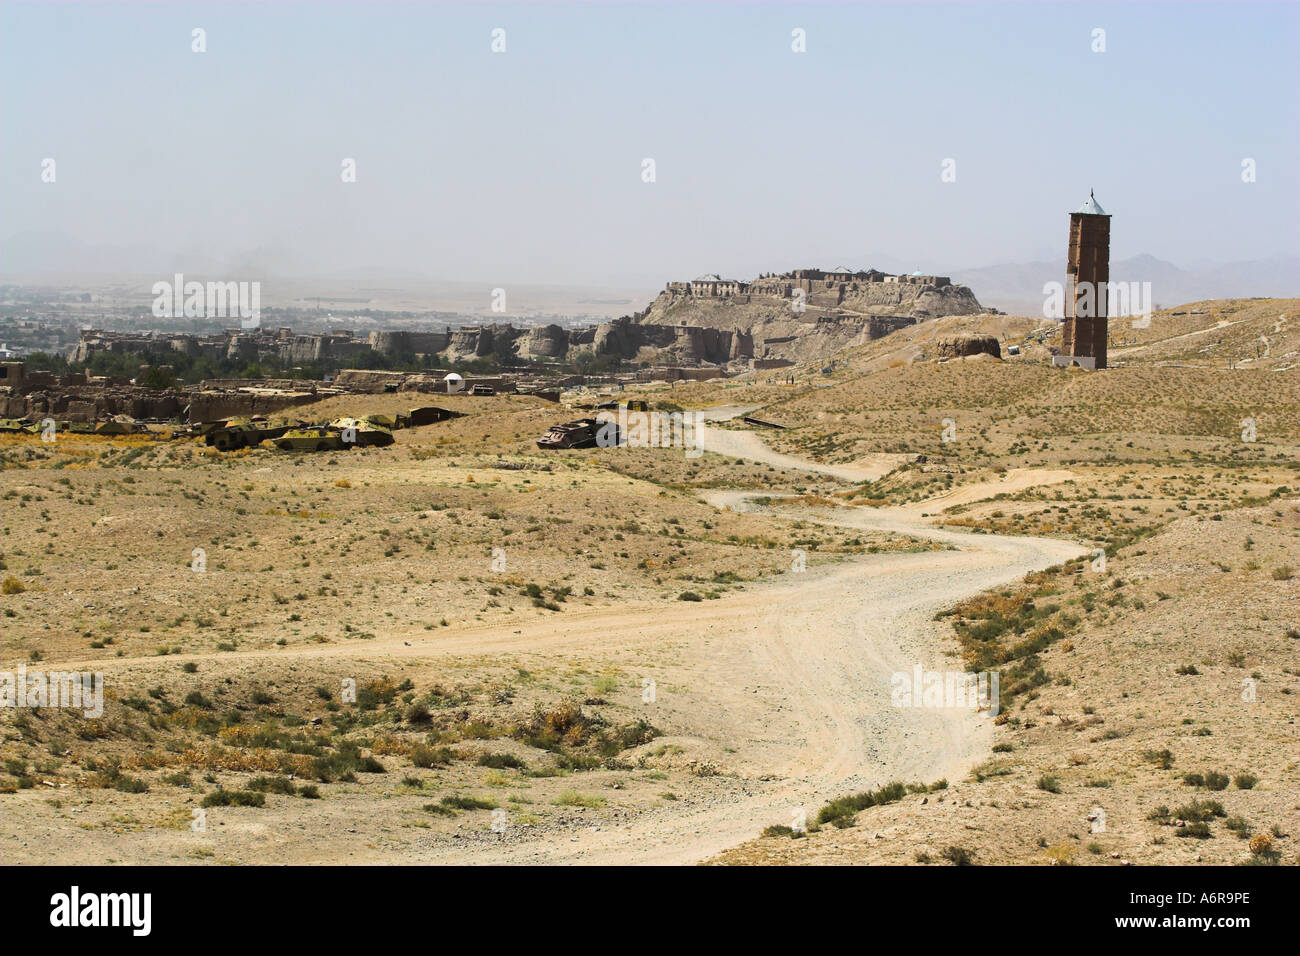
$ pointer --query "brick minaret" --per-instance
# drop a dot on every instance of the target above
(1088, 268)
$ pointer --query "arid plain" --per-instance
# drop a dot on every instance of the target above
(630, 655)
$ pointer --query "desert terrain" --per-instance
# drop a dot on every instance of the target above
(464, 649)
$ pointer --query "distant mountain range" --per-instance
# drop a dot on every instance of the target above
(1014, 287)
(1018, 288)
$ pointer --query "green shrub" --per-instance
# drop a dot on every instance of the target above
(271, 785)
(1216, 781)
(458, 802)
(234, 798)
(850, 806)
(501, 762)
(958, 856)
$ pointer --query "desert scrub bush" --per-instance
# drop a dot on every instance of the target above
(12, 585)
(344, 764)
(1239, 826)
(1262, 851)
(1049, 783)
(567, 726)
(459, 802)
(1216, 781)
(195, 698)
(271, 785)
(1163, 759)
(847, 808)
(377, 692)
(1282, 573)
(1200, 811)
(234, 798)
(426, 757)
(502, 762)
(781, 830)
(130, 784)
(1245, 781)
(572, 798)
(958, 856)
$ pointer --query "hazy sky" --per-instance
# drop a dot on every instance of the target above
(527, 165)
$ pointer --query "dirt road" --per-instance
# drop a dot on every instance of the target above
(785, 687)
(789, 684)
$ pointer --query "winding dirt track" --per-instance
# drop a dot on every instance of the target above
(785, 684)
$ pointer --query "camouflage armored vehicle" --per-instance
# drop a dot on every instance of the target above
(240, 434)
(120, 425)
(584, 433)
(391, 422)
(428, 414)
(362, 432)
(313, 438)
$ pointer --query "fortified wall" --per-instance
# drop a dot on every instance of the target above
(800, 314)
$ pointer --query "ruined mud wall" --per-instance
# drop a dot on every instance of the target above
(88, 404)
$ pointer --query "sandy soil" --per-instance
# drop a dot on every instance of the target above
(785, 687)
(749, 445)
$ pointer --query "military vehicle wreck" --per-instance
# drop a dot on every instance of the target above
(368, 431)
(232, 435)
(583, 433)
(311, 438)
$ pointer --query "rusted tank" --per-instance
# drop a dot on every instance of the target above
(314, 438)
(583, 433)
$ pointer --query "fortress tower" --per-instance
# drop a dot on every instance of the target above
(1088, 268)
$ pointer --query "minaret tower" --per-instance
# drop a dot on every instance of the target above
(1088, 269)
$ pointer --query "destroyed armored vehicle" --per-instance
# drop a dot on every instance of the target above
(428, 414)
(362, 432)
(314, 438)
(398, 420)
(584, 433)
(237, 434)
(120, 425)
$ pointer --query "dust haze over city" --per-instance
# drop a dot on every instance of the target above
(651, 434)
